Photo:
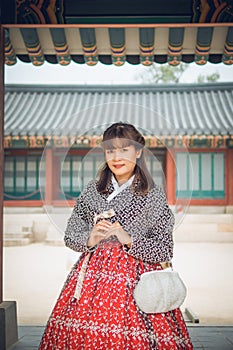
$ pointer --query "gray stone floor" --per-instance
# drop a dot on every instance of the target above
(203, 337)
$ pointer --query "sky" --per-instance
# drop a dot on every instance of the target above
(26, 73)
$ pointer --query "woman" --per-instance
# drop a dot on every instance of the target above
(123, 225)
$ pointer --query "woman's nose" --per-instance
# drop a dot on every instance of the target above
(117, 154)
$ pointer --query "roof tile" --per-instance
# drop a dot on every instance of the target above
(184, 109)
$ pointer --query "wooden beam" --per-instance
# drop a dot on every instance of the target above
(125, 25)
(1, 155)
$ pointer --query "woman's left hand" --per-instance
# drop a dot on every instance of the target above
(117, 230)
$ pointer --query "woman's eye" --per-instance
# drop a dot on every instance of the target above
(124, 149)
(109, 151)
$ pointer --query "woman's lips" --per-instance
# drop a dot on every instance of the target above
(118, 166)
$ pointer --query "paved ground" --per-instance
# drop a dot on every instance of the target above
(34, 276)
(218, 338)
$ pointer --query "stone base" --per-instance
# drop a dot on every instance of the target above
(8, 324)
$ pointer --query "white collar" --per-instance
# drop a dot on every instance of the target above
(117, 188)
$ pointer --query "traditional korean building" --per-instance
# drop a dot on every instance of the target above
(51, 132)
(52, 136)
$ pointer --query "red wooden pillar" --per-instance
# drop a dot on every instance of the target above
(1, 154)
(171, 176)
(8, 314)
(52, 184)
(49, 177)
(56, 177)
(230, 176)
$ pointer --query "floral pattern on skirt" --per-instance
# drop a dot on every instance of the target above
(106, 316)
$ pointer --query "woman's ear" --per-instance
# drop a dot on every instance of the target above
(138, 153)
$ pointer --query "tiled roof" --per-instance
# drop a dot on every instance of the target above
(183, 109)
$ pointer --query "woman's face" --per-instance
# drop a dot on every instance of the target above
(121, 161)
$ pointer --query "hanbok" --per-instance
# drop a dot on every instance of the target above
(105, 316)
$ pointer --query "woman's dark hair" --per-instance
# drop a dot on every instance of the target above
(129, 135)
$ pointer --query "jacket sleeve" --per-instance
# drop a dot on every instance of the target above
(78, 227)
(156, 242)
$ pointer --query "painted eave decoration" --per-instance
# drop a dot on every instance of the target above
(101, 31)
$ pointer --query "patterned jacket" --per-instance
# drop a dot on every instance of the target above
(147, 218)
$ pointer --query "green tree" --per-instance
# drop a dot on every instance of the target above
(212, 78)
(168, 74)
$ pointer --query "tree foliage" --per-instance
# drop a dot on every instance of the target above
(209, 78)
(167, 74)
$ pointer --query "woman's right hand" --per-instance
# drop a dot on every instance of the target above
(98, 232)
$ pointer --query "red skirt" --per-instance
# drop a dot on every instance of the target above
(106, 316)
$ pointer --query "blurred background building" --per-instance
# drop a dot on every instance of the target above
(52, 137)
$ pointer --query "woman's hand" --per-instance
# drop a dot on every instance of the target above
(117, 230)
(99, 232)
(105, 229)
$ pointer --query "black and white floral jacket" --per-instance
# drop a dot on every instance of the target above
(147, 218)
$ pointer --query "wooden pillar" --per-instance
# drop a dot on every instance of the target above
(1, 154)
(171, 176)
(49, 176)
(52, 177)
(56, 177)
(8, 314)
(229, 177)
